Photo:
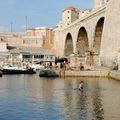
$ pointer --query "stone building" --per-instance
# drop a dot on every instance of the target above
(69, 15)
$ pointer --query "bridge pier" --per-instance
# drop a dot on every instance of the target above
(110, 45)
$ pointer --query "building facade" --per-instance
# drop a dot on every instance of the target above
(99, 3)
(12, 39)
(40, 37)
(31, 55)
(4, 54)
(35, 44)
(69, 15)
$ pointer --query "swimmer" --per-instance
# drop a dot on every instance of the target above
(81, 85)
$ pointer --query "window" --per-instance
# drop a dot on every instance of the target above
(41, 56)
(43, 41)
(23, 41)
(28, 33)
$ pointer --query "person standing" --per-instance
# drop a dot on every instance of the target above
(66, 64)
(50, 65)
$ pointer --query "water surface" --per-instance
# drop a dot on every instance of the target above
(29, 97)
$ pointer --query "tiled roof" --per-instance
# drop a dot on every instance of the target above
(71, 8)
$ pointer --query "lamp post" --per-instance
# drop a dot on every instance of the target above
(26, 22)
(11, 27)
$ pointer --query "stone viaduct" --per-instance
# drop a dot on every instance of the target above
(82, 36)
(88, 37)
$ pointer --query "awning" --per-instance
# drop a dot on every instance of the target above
(60, 60)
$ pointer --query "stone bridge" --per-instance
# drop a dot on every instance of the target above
(95, 37)
(83, 36)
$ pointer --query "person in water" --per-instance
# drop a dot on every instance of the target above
(81, 85)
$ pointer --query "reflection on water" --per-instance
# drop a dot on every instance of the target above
(29, 97)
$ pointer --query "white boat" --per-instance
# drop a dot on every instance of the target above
(37, 66)
(10, 69)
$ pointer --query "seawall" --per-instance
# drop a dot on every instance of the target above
(106, 73)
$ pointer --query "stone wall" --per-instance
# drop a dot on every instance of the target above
(110, 45)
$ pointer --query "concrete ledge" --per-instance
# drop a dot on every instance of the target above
(114, 75)
(83, 73)
(98, 73)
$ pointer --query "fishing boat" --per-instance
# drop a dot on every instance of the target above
(10, 69)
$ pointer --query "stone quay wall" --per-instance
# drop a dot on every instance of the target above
(107, 73)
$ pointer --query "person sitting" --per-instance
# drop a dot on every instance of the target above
(81, 67)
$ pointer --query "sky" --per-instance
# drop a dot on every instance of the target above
(14, 14)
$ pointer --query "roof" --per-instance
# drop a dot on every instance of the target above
(71, 8)
(33, 51)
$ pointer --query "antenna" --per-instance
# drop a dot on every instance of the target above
(26, 22)
(11, 27)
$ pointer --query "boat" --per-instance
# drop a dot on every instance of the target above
(48, 73)
(0, 73)
(37, 66)
(9, 69)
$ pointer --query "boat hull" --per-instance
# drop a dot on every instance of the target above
(47, 73)
(29, 71)
(0, 73)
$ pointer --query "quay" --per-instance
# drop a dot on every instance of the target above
(83, 73)
(114, 74)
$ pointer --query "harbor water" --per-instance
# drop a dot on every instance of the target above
(29, 97)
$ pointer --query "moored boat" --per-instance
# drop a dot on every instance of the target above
(9, 69)
(37, 66)
(0, 73)
(48, 73)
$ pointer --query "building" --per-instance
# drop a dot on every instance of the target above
(4, 54)
(82, 13)
(35, 44)
(99, 3)
(24, 54)
(12, 39)
(70, 15)
(39, 37)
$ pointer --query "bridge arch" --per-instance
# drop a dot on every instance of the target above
(68, 49)
(98, 35)
(82, 45)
